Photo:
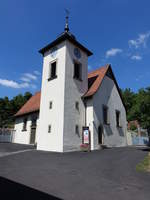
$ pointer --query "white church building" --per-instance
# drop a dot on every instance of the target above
(74, 106)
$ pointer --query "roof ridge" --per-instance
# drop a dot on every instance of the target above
(98, 69)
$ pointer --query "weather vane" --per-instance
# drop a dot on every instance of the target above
(67, 16)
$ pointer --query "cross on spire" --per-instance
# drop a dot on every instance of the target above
(67, 16)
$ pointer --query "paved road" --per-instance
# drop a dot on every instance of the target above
(99, 175)
(9, 148)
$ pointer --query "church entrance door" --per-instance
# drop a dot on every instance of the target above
(32, 135)
(33, 129)
(100, 135)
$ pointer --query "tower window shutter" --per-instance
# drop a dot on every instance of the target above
(52, 71)
(77, 71)
(105, 115)
(118, 124)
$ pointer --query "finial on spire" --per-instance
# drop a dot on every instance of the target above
(67, 16)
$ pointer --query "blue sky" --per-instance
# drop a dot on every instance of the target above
(116, 31)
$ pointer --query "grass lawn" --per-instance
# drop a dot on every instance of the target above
(144, 165)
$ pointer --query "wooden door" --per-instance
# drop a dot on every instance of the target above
(32, 136)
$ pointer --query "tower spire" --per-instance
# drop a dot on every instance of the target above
(66, 25)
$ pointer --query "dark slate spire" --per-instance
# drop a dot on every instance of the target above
(66, 29)
(66, 35)
(66, 25)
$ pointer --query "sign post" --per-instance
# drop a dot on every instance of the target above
(86, 137)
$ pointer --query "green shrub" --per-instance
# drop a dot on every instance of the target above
(133, 127)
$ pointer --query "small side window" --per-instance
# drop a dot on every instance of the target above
(24, 124)
(50, 105)
(77, 71)
(49, 128)
(77, 105)
(105, 115)
(33, 121)
(118, 118)
(77, 129)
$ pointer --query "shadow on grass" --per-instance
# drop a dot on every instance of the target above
(10, 189)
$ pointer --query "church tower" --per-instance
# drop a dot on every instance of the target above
(64, 82)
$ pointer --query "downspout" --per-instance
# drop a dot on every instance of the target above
(85, 104)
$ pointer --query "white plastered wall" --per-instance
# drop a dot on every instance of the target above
(108, 95)
(23, 137)
(74, 90)
(52, 91)
(90, 119)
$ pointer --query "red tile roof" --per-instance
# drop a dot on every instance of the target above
(94, 81)
(32, 105)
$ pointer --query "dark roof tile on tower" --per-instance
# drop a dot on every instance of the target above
(65, 36)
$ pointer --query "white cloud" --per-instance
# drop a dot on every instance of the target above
(136, 57)
(113, 52)
(25, 79)
(37, 73)
(141, 41)
(13, 84)
(28, 77)
(139, 78)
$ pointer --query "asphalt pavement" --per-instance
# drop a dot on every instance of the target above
(104, 174)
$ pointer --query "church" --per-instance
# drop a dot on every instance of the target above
(74, 107)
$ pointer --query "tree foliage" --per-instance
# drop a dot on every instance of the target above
(9, 107)
(138, 105)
